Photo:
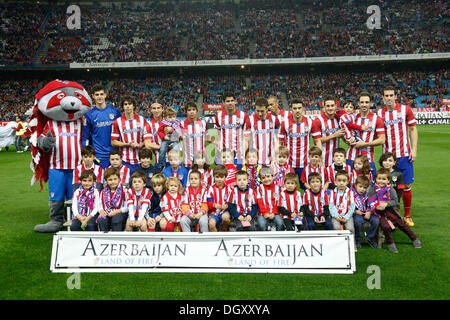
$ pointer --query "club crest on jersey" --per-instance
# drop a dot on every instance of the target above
(111, 116)
(394, 178)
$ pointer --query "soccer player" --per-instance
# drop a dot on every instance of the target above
(326, 131)
(398, 119)
(230, 124)
(157, 116)
(275, 109)
(97, 126)
(295, 134)
(129, 132)
(194, 134)
(262, 132)
(373, 136)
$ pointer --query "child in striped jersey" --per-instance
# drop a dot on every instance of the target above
(85, 204)
(228, 162)
(138, 200)
(363, 213)
(342, 204)
(217, 198)
(337, 165)
(170, 133)
(114, 209)
(316, 207)
(115, 158)
(315, 165)
(171, 205)
(252, 168)
(361, 167)
(281, 167)
(194, 205)
(267, 197)
(88, 157)
(199, 163)
(154, 215)
(242, 203)
(347, 123)
(291, 202)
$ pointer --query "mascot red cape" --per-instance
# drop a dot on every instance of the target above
(56, 128)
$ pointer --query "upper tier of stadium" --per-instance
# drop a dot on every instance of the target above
(36, 33)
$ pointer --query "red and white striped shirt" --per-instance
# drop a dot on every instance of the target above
(230, 180)
(244, 200)
(98, 171)
(263, 134)
(267, 197)
(291, 201)
(282, 115)
(194, 198)
(66, 154)
(194, 137)
(130, 131)
(375, 128)
(323, 127)
(218, 196)
(396, 123)
(207, 178)
(154, 126)
(171, 206)
(231, 130)
(316, 202)
(331, 172)
(138, 203)
(124, 172)
(308, 170)
(296, 137)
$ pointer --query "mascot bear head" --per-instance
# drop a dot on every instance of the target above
(59, 100)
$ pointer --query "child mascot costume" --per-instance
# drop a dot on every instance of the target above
(56, 126)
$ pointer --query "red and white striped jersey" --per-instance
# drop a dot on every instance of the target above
(207, 178)
(296, 137)
(124, 172)
(308, 170)
(355, 174)
(343, 120)
(375, 128)
(291, 201)
(322, 127)
(66, 154)
(219, 196)
(396, 123)
(280, 173)
(194, 198)
(154, 126)
(130, 131)
(138, 202)
(171, 206)
(244, 200)
(331, 172)
(282, 115)
(316, 202)
(342, 200)
(231, 131)
(263, 134)
(267, 197)
(98, 171)
(230, 180)
(194, 137)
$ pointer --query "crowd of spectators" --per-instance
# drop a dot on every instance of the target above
(157, 31)
(415, 88)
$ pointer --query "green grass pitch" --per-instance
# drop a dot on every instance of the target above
(411, 274)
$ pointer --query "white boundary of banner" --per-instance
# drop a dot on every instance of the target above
(349, 238)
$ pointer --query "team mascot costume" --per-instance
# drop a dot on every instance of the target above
(56, 125)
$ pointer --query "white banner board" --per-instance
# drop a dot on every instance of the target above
(242, 252)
